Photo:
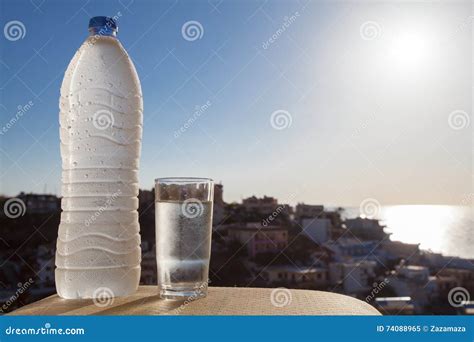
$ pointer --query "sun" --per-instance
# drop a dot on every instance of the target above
(409, 49)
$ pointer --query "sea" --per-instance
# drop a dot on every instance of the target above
(442, 229)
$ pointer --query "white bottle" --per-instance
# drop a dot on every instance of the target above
(98, 249)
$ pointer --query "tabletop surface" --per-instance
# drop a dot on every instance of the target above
(220, 301)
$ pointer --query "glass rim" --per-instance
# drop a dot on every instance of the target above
(189, 180)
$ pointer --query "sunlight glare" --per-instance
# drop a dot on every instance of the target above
(409, 50)
(419, 223)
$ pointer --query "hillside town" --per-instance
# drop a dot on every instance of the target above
(259, 243)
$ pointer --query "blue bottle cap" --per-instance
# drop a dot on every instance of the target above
(101, 21)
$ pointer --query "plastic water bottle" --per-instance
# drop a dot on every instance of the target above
(98, 249)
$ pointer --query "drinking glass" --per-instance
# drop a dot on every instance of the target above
(183, 223)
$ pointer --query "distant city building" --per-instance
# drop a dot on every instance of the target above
(414, 281)
(321, 256)
(456, 262)
(437, 261)
(40, 203)
(148, 268)
(396, 250)
(296, 276)
(146, 199)
(337, 229)
(259, 239)
(464, 277)
(218, 208)
(366, 229)
(317, 229)
(446, 283)
(352, 277)
(303, 211)
(415, 273)
(219, 194)
(45, 260)
(347, 248)
(265, 205)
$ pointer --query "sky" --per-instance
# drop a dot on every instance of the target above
(309, 101)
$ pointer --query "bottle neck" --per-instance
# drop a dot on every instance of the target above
(102, 31)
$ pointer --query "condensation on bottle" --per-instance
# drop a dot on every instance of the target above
(101, 114)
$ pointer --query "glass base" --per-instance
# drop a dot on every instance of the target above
(173, 292)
